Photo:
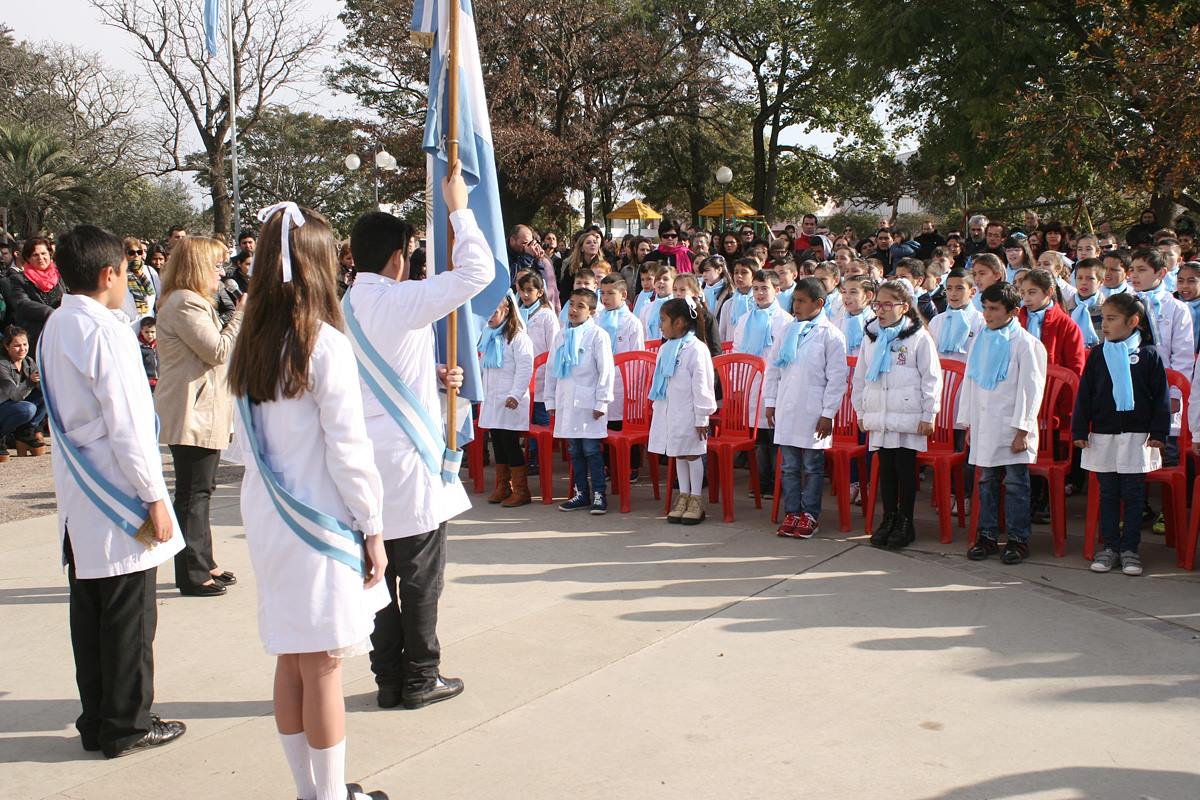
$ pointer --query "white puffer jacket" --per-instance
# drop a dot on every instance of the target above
(910, 393)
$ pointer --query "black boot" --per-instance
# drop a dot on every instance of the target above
(902, 533)
(884, 532)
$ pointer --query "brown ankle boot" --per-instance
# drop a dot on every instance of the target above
(503, 487)
(520, 489)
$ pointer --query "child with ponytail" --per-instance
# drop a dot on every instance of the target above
(507, 362)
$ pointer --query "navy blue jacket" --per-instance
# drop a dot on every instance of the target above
(1096, 411)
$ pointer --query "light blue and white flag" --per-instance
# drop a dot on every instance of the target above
(212, 20)
(431, 28)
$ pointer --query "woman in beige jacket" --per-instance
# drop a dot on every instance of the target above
(195, 407)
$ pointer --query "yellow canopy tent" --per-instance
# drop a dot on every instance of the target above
(634, 210)
(728, 206)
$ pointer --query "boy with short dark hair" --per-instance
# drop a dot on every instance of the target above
(116, 524)
(148, 340)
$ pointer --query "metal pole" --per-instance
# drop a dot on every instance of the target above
(451, 160)
(233, 106)
(375, 174)
(724, 211)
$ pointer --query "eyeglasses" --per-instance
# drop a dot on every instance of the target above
(885, 305)
(135, 252)
(668, 236)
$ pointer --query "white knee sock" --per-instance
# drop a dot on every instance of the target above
(329, 771)
(681, 470)
(295, 748)
(696, 468)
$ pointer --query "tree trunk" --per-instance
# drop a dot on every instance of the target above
(219, 192)
(587, 205)
(1162, 202)
(760, 162)
(767, 206)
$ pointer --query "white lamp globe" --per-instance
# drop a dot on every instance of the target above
(353, 162)
(724, 176)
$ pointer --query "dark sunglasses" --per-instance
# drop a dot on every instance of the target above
(668, 236)
(135, 252)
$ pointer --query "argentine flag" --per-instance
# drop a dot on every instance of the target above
(431, 27)
(212, 18)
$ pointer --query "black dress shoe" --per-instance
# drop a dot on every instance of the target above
(442, 689)
(884, 532)
(389, 697)
(161, 732)
(90, 743)
(213, 589)
(226, 578)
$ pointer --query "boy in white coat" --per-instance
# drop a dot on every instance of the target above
(103, 418)
(998, 405)
(807, 380)
(396, 316)
(625, 335)
(579, 389)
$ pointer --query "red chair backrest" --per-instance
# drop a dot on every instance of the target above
(953, 375)
(539, 362)
(845, 424)
(726, 347)
(1177, 380)
(653, 345)
(637, 373)
(1061, 387)
(741, 376)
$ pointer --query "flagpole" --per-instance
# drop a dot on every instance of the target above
(451, 160)
(233, 105)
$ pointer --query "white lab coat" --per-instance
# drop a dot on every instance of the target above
(809, 388)
(398, 317)
(975, 323)
(630, 337)
(543, 327)
(317, 446)
(1172, 328)
(93, 371)
(995, 416)
(891, 408)
(653, 307)
(509, 380)
(588, 388)
(780, 319)
(725, 318)
(690, 401)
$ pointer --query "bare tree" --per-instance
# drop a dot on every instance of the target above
(274, 46)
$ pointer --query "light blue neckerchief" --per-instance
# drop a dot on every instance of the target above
(1116, 358)
(1171, 279)
(710, 295)
(854, 326)
(794, 338)
(784, 298)
(1010, 272)
(491, 344)
(741, 304)
(1194, 307)
(529, 311)
(757, 336)
(881, 362)
(1153, 300)
(566, 357)
(1082, 314)
(610, 322)
(642, 299)
(1034, 320)
(988, 364)
(654, 323)
(956, 332)
(977, 302)
(1107, 292)
(664, 368)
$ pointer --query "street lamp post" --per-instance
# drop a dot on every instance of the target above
(724, 177)
(382, 160)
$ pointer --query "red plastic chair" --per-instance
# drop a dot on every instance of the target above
(726, 347)
(475, 453)
(741, 377)
(637, 373)
(1061, 386)
(1174, 483)
(653, 345)
(948, 465)
(842, 452)
(544, 436)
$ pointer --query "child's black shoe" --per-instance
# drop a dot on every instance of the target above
(902, 534)
(1015, 551)
(984, 546)
(881, 535)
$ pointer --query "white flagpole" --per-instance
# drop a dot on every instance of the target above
(233, 106)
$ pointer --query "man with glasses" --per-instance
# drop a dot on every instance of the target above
(525, 253)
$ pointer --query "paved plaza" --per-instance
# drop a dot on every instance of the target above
(621, 657)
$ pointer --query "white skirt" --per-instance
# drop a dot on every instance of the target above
(1123, 453)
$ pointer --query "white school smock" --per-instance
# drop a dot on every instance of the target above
(1123, 453)
(543, 327)
(690, 401)
(725, 318)
(509, 380)
(1172, 328)
(891, 408)
(780, 319)
(317, 446)
(809, 388)
(644, 317)
(995, 416)
(975, 323)
(588, 388)
(94, 372)
(397, 317)
(630, 338)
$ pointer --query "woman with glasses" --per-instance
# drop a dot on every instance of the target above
(673, 248)
(36, 292)
(141, 299)
(193, 400)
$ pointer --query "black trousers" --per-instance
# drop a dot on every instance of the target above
(898, 479)
(113, 621)
(507, 446)
(195, 480)
(405, 651)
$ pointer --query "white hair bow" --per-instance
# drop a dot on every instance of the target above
(291, 216)
(691, 304)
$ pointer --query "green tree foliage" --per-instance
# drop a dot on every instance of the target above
(40, 184)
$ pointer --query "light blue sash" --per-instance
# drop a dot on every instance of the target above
(323, 533)
(401, 404)
(127, 512)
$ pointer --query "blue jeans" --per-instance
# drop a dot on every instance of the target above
(586, 460)
(1016, 500)
(15, 414)
(803, 480)
(1114, 490)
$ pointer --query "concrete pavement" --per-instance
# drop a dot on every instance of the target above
(621, 657)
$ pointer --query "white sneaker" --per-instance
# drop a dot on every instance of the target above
(1131, 564)
(855, 494)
